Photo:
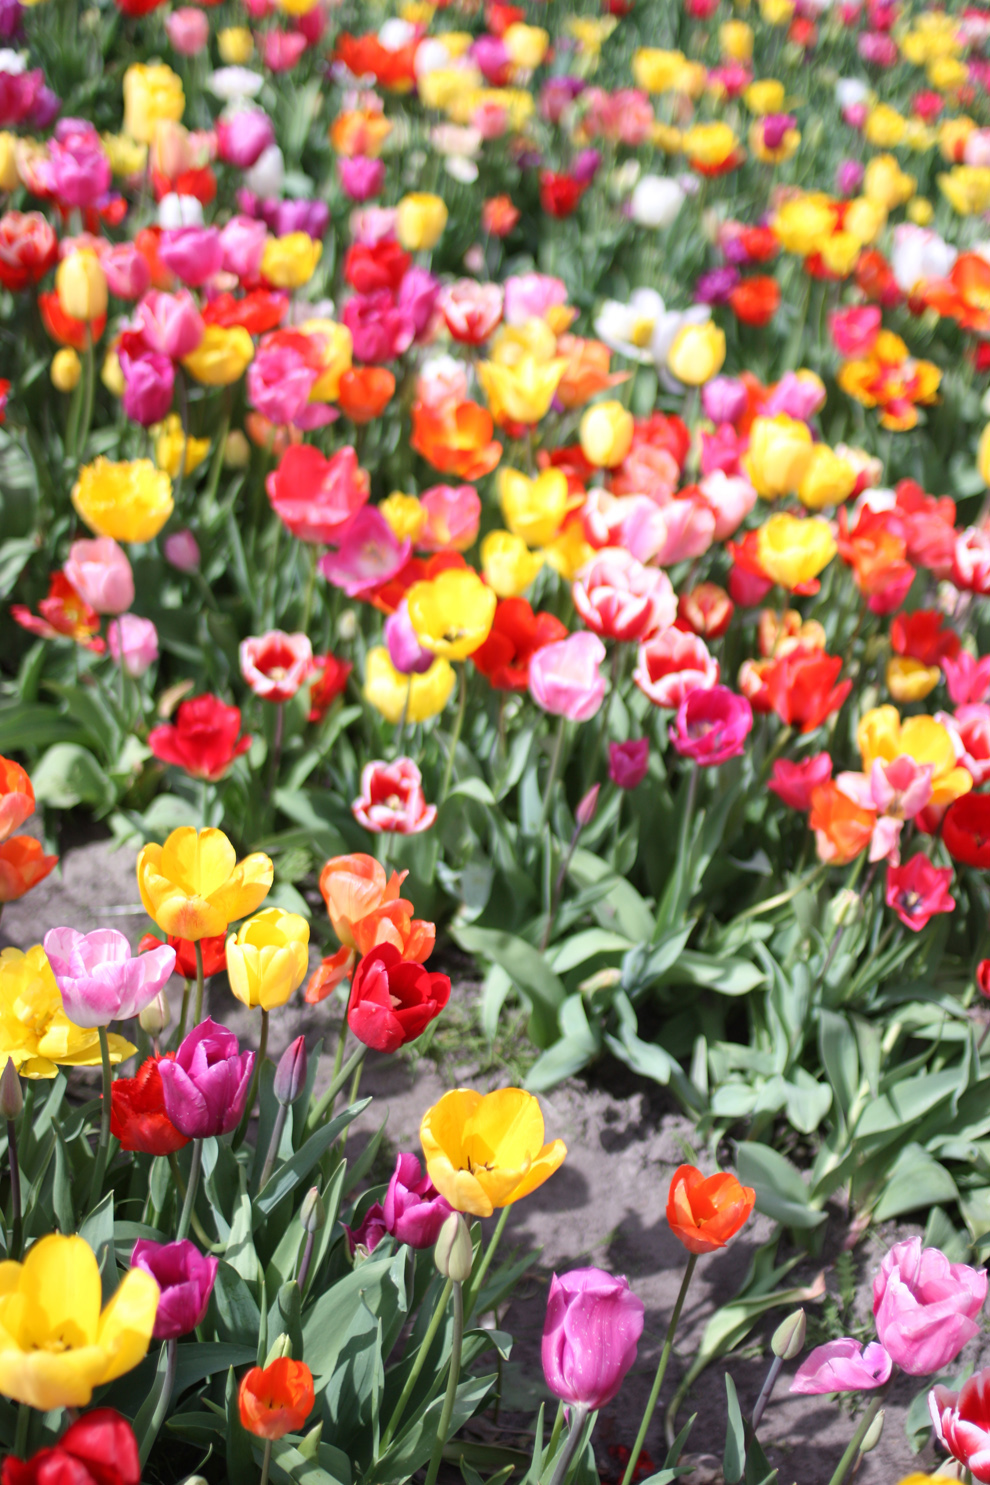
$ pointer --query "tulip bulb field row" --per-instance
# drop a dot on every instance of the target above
(513, 478)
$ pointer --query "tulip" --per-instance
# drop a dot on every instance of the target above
(276, 1400)
(222, 356)
(58, 1345)
(656, 201)
(101, 575)
(404, 649)
(353, 887)
(193, 885)
(393, 1001)
(779, 455)
(565, 679)
(97, 977)
(420, 221)
(793, 551)
(369, 1232)
(882, 734)
(800, 687)
(918, 890)
(673, 664)
(843, 1366)
(133, 643)
(16, 797)
(711, 725)
(414, 697)
(705, 1214)
(170, 323)
(628, 762)
(590, 1336)
(81, 286)
(138, 1120)
(507, 564)
(267, 958)
(516, 636)
(205, 1086)
(129, 501)
(606, 434)
(289, 262)
(188, 30)
(148, 385)
(962, 1423)
(392, 800)
(368, 557)
(151, 93)
(452, 614)
(99, 1449)
(925, 1307)
(66, 370)
(203, 739)
(794, 782)
(487, 1151)
(697, 353)
(290, 1074)
(317, 498)
(414, 1210)
(275, 665)
(185, 1277)
(35, 1032)
(842, 828)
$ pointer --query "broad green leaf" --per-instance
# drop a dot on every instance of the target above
(528, 970)
(917, 1182)
(734, 1458)
(68, 775)
(780, 1188)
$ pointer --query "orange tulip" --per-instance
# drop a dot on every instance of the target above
(842, 829)
(587, 371)
(353, 887)
(16, 797)
(365, 392)
(456, 438)
(705, 1214)
(328, 974)
(23, 864)
(277, 1399)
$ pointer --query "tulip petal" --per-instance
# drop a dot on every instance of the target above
(127, 1322)
(199, 862)
(47, 1379)
(550, 1159)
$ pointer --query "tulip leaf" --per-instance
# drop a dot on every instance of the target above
(781, 1192)
(238, 1453)
(235, 1305)
(330, 1466)
(915, 1182)
(145, 1414)
(32, 727)
(289, 1175)
(734, 1458)
(528, 970)
(68, 775)
(412, 1448)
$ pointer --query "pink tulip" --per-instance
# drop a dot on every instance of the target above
(149, 382)
(392, 799)
(730, 498)
(962, 1423)
(967, 680)
(127, 271)
(672, 664)
(243, 243)
(280, 50)
(188, 30)
(712, 725)
(970, 731)
(242, 136)
(628, 762)
(380, 328)
(724, 399)
(361, 177)
(798, 396)
(453, 515)
(590, 1336)
(621, 599)
(406, 653)
(414, 1210)
(925, 1307)
(98, 978)
(205, 1086)
(133, 642)
(369, 554)
(917, 891)
(564, 678)
(101, 574)
(275, 665)
(843, 1366)
(170, 323)
(794, 782)
(182, 551)
(279, 383)
(194, 254)
(185, 1277)
(666, 534)
(528, 296)
(971, 560)
(854, 330)
(373, 224)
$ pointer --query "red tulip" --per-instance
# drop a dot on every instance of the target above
(393, 1002)
(917, 890)
(515, 637)
(704, 1214)
(98, 1449)
(276, 1400)
(966, 830)
(801, 687)
(137, 1113)
(202, 740)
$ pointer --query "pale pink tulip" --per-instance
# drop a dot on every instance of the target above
(925, 1307)
(564, 678)
(98, 978)
(101, 574)
(843, 1366)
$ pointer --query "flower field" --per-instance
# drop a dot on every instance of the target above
(505, 481)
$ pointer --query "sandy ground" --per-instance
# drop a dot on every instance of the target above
(604, 1207)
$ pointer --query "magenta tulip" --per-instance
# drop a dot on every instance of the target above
(406, 653)
(925, 1307)
(361, 177)
(711, 725)
(369, 1232)
(843, 1366)
(243, 242)
(99, 979)
(206, 1084)
(369, 554)
(101, 574)
(194, 254)
(628, 762)
(590, 1335)
(243, 135)
(148, 385)
(564, 678)
(414, 1209)
(185, 1277)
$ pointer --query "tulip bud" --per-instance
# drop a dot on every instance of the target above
(11, 1097)
(873, 1433)
(281, 1347)
(788, 1338)
(585, 812)
(454, 1250)
(111, 376)
(156, 1016)
(606, 434)
(290, 1075)
(847, 907)
(66, 370)
(312, 1213)
(81, 286)
(236, 450)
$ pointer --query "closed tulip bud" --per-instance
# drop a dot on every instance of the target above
(788, 1338)
(81, 286)
(697, 354)
(420, 220)
(11, 1097)
(290, 1075)
(873, 1434)
(66, 370)
(606, 434)
(585, 812)
(454, 1251)
(156, 1016)
(347, 625)
(236, 451)
(983, 978)
(235, 45)
(312, 1213)
(847, 908)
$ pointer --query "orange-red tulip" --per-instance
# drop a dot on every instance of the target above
(16, 797)
(704, 1214)
(365, 392)
(23, 864)
(277, 1399)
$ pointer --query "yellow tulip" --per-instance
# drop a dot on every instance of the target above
(485, 1151)
(697, 353)
(111, 375)
(152, 93)
(793, 551)
(920, 211)
(967, 189)
(420, 220)
(169, 443)
(404, 514)
(289, 262)
(828, 479)
(865, 219)
(130, 501)
(236, 450)
(779, 455)
(335, 347)
(81, 286)
(35, 1033)
(657, 71)
(235, 45)
(57, 1342)
(570, 551)
(66, 370)
(881, 734)
(521, 393)
(526, 45)
(443, 87)
(886, 183)
(534, 509)
(777, 12)
(909, 679)
(267, 958)
(508, 564)
(709, 144)
(885, 127)
(221, 357)
(735, 39)
(9, 175)
(802, 225)
(983, 455)
(193, 886)
(417, 698)
(764, 96)
(606, 434)
(452, 614)
(127, 157)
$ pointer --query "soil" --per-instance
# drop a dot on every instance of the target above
(605, 1207)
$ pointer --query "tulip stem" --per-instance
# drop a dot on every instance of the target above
(164, 1399)
(852, 1452)
(266, 1461)
(204, 1237)
(198, 1007)
(766, 1390)
(21, 1436)
(259, 1063)
(453, 1378)
(89, 389)
(187, 1205)
(575, 1434)
(326, 1102)
(668, 1346)
(558, 1424)
(477, 1278)
(558, 751)
(273, 1145)
(186, 992)
(103, 1148)
(307, 613)
(455, 736)
(17, 1233)
(417, 1367)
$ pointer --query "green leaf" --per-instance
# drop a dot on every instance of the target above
(238, 1453)
(584, 946)
(528, 970)
(68, 775)
(289, 1175)
(727, 975)
(916, 1181)
(238, 1313)
(14, 555)
(734, 1458)
(780, 1189)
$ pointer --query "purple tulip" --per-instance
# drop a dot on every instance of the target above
(206, 1084)
(185, 1277)
(194, 254)
(98, 978)
(11, 19)
(414, 1209)
(19, 93)
(290, 1074)
(849, 177)
(925, 1307)
(711, 725)
(369, 1233)
(628, 762)
(44, 109)
(149, 382)
(715, 286)
(290, 215)
(406, 653)
(843, 1366)
(590, 1336)
(243, 136)
(585, 166)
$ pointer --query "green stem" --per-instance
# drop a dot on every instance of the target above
(453, 1378)
(89, 390)
(266, 1462)
(162, 1405)
(310, 588)
(351, 1098)
(668, 1347)
(273, 1145)
(417, 1367)
(575, 1433)
(102, 1149)
(187, 1205)
(558, 750)
(21, 1436)
(198, 1008)
(186, 992)
(478, 1277)
(259, 1063)
(849, 1458)
(455, 736)
(558, 1424)
(17, 1232)
(326, 1102)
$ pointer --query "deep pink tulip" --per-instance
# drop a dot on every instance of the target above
(417, 298)
(280, 50)
(170, 323)
(925, 1307)
(590, 1336)
(185, 1277)
(628, 762)
(194, 254)
(369, 554)
(133, 642)
(149, 382)
(962, 1422)
(99, 979)
(414, 1210)
(380, 328)
(565, 678)
(967, 680)
(279, 383)
(843, 1366)
(242, 136)
(361, 177)
(77, 171)
(793, 782)
(101, 574)
(319, 499)
(711, 726)
(206, 1084)
(724, 399)
(917, 891)
(369, 1231)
